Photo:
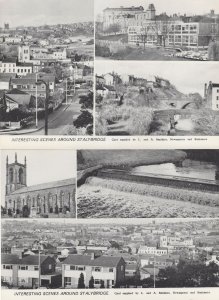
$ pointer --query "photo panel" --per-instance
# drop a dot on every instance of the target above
(160, 30)
(138, 98)
(38, 184)
(148, 183)
(110, 255)
(46, 67)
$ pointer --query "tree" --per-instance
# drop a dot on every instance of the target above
(81, 284)
(114, 28)
(84, 119)
(86, 101)
(91, 283)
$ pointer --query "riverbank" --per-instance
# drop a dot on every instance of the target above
(126, 159)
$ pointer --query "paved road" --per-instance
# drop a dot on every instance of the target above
(61, 118)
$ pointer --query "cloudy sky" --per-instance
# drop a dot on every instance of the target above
(168, 6)
(188, 77)
(41, 12)
(42, 165)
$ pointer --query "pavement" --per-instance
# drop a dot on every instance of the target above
(56, 121)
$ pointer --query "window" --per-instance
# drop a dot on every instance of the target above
(110, 269)
(97, 281)
(79, 268)
(122, 268)
(50, 267)
(218, 91)
(23, 267)
(217, 97)
(36, 268)
(7, 267)
(97, 269)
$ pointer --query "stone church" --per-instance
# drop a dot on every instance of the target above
(48, 199)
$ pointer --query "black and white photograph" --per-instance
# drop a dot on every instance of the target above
(46, 67)
(157, 30)
(154, 253)
(38, 183)
(157, 98)
(147, 183)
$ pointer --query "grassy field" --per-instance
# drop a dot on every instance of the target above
(125, 159)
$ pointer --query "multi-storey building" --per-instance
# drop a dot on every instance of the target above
(109, 269)
(11, 65)
(144, 27)
(174, 242)
(126, 16)
(212, 95)
(153, 250)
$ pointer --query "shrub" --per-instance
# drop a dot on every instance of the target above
(140, 121)
(101, 125)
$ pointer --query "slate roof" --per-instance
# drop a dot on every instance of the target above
(43, 186)
(215, 84)
(10, 60)
(16, 92)
(85, 260)
(9, 259)
(33, 259)
(5, 77)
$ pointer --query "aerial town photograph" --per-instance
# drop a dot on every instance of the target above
(148, 183)
(157, 30)
(46, 67)
(148, 254)
(38, 183)
(157, 98)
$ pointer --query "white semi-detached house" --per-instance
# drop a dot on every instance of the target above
(109, 269)
(24, 271)
(153, 250)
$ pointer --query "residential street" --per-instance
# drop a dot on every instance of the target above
(59, 119)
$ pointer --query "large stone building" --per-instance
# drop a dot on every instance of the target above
(211, 95)
(148, 28)
(54, 198)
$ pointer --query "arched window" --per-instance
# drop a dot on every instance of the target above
(21, 176)
(11, 175)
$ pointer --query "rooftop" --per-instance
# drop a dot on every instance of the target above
(44, 186)
(86, 260)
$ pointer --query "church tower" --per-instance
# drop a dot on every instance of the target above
(151, 12)
(16, 175)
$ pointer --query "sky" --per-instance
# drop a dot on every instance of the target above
(187, 77)
(42, 165)
(190, 7)
(41, 12)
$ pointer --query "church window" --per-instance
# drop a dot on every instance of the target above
(21, 176)
(11, 175)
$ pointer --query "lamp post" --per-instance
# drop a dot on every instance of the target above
(46, 102)
(36, 104)
(39, 266)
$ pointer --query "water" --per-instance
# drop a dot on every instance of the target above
(189, 169)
